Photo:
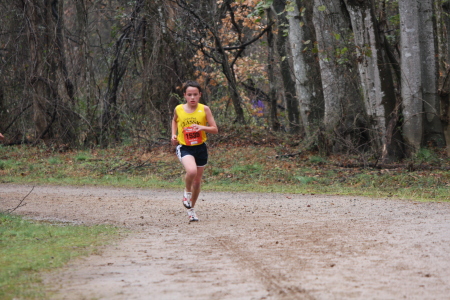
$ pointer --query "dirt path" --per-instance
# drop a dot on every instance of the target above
(248, 246)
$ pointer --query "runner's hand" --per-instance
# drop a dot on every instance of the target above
(174, 140)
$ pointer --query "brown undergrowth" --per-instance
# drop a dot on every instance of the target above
(242, 159)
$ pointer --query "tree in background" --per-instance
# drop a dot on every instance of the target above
(305, 66)
(222, 32)
(272, 77)
(412, 105)
(433, 131)
(105, 72)
(419, 67)
(443, 11)
(47, 78)
(15, 105)
(163, 64)
(376, 80)
(344, 120)
(282, 9)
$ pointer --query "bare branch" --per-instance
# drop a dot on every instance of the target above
(20, 203)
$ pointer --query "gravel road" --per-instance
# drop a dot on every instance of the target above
(247, 245)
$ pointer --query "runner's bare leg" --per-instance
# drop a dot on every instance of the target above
(190, 166)
(196, 184)
(193, 178)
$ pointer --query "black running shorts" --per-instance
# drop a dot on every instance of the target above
(199, 152)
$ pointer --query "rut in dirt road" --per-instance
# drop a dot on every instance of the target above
(248, 245)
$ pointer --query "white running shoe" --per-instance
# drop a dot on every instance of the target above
(187, 200)
(192, 215)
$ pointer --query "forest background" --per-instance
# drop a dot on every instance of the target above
(346, 97)
(365, 78)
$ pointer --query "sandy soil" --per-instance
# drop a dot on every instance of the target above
(248, 246)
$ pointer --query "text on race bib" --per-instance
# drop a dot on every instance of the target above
(191, 137)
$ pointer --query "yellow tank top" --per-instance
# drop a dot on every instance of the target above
(184, 121)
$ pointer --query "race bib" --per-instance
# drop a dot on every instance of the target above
(191, 137)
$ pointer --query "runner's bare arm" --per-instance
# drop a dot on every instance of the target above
(173, 138)
(211, 126)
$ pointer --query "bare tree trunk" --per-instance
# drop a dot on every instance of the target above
(83, 64)
(67, 121)
(292, 104)
(411, 75)
(232, 85)
(444, 92)
(51, 88)
(433, 132)
(124, 46)
(376, 78)
(446, 20)
(442, 23)
(39, 88)
(2, 109)
(274, 123)
(163, 70)
(306, 70)
(343, 107)
(3, 112)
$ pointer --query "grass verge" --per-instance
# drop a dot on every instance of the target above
(246, 167)
(30, 247)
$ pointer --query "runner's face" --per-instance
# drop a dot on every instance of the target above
(192, 95)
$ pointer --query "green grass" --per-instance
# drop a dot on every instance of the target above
(30, 247)
(244, 167)
(305, 179)
(82, 157)
(317, 160)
